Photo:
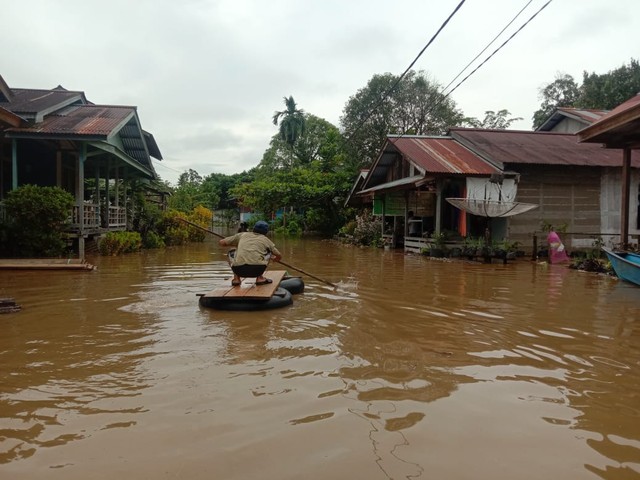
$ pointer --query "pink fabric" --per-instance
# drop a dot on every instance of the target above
(557, 253)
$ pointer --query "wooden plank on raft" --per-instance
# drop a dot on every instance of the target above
(248, 289)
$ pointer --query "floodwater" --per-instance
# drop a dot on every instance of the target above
(412, 368)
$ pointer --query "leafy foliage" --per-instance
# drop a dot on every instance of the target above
(609, 90)
(291, 122)
(190, 193)
(493, 120)
(37, 219)
(413, 105)
(598, 91)
(365, 230)
(562, 92)
(117, 243)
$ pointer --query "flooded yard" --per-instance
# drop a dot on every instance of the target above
(412, 368)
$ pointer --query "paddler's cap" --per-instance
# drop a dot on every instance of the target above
(261, 227)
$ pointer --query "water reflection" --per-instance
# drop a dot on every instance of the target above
(413, 368)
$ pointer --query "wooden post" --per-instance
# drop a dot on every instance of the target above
(14, 164)
(534, 254)
(438, 218)
(58, 168)
(626, 188)
(80, 198)
(107, 195)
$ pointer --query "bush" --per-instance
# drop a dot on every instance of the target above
(116, 243)
(37, 217)
(368, 229)
(152, 240)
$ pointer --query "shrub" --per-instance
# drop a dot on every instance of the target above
(152, 240)
(37, 217)
(116, 243)
(368, 229)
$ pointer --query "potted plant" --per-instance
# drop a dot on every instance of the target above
(470, 248)
(438, 248)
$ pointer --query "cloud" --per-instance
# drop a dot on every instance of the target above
(207, 75)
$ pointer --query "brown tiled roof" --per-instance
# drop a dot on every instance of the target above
(543, 148)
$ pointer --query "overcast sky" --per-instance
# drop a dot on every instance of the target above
(207, 75)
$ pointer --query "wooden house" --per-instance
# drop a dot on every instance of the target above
(58, 138)
(574, 185)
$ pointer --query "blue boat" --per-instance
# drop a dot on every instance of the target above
(625, 264)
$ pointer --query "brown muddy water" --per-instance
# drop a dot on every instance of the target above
(413, 368)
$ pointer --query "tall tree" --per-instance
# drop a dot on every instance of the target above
(609, 90)
(600, 91)
(321, 142)
(562, 92)
(291, 121)
(387, 105)
(189, 193)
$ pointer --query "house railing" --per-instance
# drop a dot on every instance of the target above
(90, 217)
(117, 217)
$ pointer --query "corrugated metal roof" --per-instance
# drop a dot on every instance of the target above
(441, 155)
(94, 121)
(31, 102)
(583, 115)
(9, 119)
(586, 114)
(543, 148)
(619, 128)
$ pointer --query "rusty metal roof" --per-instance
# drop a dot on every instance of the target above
(9, 119)
(542, 148)
(619, 128)
(583, 115)
(92, 121)
(441, 155)
(35, 104)
(430, 155)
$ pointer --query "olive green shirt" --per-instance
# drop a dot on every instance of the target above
(252, 248)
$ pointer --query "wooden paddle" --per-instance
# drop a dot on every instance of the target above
(283, 263)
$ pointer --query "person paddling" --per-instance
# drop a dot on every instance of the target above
(253, 252)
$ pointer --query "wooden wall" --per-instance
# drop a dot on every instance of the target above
(564, 195)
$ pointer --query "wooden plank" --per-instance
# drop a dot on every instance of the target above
(248, 289)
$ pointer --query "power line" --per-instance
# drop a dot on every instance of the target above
(445, 96)
(488, 45)
(499, 48)
(397, 82)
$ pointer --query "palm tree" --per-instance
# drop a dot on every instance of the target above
(292, 121)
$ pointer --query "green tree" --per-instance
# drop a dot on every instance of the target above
(290, 121)
(387, 105)
(190, 193)
(499, 120)
(598, 91)
(608, 90)
(320, 144)
(562, 92)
